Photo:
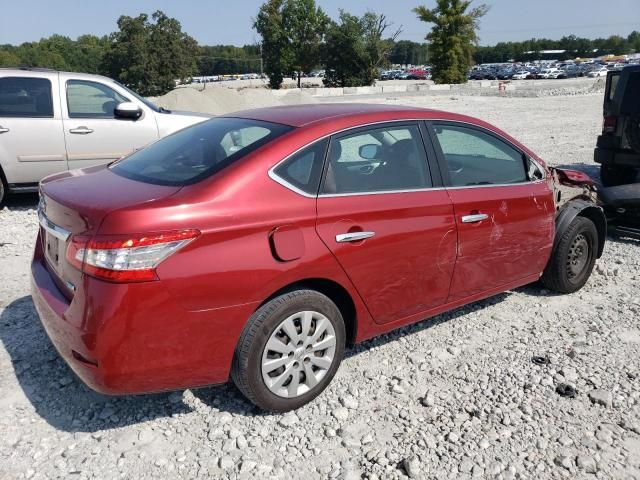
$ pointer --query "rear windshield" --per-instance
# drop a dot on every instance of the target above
(197, 152)
(613, 84)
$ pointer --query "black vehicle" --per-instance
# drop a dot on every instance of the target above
(618, 148)
(476, 75)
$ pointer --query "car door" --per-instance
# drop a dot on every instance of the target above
(503, 206)
(93, 135)
(31, 138)
(388, 223)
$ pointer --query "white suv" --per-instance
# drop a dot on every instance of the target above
(53, 121)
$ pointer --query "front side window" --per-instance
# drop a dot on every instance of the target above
(304, 168)
(25, 97)
(197, 152)
(376, 160)
(475, 158)
(92, 99)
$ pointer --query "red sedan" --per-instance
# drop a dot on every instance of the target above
(257, 245)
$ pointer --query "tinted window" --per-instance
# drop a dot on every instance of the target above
(91, 99)
(376, 160)
(477, 158)
(198, 151)
(25, 97)
(304, 169)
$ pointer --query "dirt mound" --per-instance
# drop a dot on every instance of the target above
(221, 100)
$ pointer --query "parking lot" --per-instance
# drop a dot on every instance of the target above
(456, 396)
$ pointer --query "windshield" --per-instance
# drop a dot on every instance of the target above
(148, 103)
(197, 152)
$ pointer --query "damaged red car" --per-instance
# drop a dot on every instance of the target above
(256, 246)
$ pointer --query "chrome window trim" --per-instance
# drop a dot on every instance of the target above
(295, 189)
(52, 228)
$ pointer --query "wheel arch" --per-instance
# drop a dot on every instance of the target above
(332, 289)
(581, 208)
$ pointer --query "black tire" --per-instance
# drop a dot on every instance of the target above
(246, 370)
(3, 191)
(614, 175)
(632, 130)
(572, 260)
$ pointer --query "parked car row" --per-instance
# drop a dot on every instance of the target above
(408, 74)
(548, 71)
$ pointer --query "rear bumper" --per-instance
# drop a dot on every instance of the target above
(135, 338)
(612, 156)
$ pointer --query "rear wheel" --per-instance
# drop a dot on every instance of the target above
(613, 175)
(289, 350)
(572, 261)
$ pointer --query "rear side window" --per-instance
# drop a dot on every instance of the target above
(377, 160)
(92, 99)
(25, 97)
(304, 169)
(198, 152)
(474, 157)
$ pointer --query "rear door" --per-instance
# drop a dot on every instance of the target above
(503, 206)
(93, 135)
(31, 138)
(388, 223)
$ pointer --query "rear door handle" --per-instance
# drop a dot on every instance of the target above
(3, 129)
(353, 236)
(81, 130)
(477, 217)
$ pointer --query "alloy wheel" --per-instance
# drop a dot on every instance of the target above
(298, 354)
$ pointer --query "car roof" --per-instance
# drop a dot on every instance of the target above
(315, 114)
(49, 73)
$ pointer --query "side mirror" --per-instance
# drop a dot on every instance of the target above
(370, 151)
(127, 110)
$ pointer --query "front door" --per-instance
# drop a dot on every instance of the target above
(392, 232)
(504, 209)
(31, 138)
(93, 135)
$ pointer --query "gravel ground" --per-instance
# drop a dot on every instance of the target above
(456, 396)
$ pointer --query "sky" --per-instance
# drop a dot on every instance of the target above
(229, 22)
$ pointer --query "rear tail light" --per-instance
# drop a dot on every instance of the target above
(126, 259)
(609, 124)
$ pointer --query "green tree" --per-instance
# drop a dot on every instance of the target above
(355, 49)
(8, 58)
(305, 25)
(148, 55)
(276, 53)
(406, 52)
(452, 38)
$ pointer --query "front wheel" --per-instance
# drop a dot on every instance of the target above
(572, 260)
(289, 350)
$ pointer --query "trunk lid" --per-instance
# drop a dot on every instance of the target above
(72, 206)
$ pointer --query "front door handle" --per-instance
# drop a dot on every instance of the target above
(81, 130)
(3, 129)
(353, 236)
(476, 217)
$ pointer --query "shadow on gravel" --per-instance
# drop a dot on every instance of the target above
(61, 398)
(54, 391)
(426, 324)
(21, 201)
